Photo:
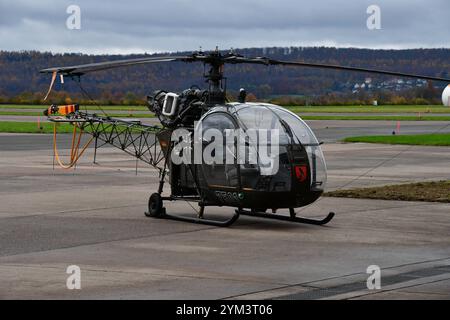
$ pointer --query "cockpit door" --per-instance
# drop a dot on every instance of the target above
(218, 151)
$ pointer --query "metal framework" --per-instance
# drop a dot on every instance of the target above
(131, 136)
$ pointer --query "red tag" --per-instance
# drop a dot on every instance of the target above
(301, 172)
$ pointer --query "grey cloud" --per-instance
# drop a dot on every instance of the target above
(171, 25)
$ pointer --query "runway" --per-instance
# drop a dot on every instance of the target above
(327, 131)
(93, 217)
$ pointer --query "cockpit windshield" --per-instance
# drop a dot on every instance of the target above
(292, 131)
(277, 167)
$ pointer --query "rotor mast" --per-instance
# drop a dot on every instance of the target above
(217, 93)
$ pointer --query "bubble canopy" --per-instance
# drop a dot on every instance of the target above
(293, 131)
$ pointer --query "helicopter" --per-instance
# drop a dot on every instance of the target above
(187, 118)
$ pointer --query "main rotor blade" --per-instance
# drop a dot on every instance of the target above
(91, 67)
(233, 59)
(267, 61)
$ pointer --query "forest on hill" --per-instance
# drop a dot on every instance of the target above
(21, 82)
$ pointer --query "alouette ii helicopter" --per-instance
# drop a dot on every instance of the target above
(301, 176)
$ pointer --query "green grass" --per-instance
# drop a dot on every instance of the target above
(418, 139)
(32, 127)
(423, 109)
(371, 109)
(20, 113)
(412, 117)
(43, 107)
(98, 112)
(345, 117)
(379, 118)
(435, 191)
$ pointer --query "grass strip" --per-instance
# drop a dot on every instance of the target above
(441, 139)
(435, 191)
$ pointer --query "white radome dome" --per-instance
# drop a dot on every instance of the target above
(446, 96)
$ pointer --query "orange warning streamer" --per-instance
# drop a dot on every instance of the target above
(75, 153)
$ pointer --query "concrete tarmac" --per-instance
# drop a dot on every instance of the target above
(93, 217)
(325, 130)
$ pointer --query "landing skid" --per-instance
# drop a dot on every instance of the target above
(235, 217)
(208, 222)
(291, 218)
(156, 210)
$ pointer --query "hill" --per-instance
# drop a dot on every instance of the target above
(20, 81)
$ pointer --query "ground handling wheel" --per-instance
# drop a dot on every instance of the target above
(155, 206)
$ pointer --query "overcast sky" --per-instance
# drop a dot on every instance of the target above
(137, 26)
